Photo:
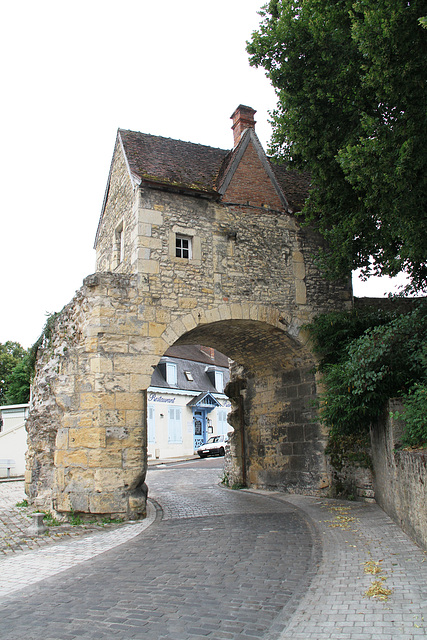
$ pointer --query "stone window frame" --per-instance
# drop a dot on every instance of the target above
(118, 244)
(195, 242)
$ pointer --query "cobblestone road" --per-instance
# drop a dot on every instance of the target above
(14, 523)
(225, 565)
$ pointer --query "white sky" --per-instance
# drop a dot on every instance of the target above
(72, 74)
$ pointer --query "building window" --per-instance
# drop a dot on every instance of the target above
(189, 376)
(151, 426)
(222, 425)
(171, 373)
(119, 245)
(183, 247)
(174, 425)
(219, 381)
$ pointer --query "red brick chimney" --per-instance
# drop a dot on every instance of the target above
(243, 118)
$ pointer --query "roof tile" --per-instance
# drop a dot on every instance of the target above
(197, 167)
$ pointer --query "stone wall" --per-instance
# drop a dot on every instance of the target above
(120, 203)
(240, 253)
(87, 430)
(400, 477)
(353, 482)
(88, 421)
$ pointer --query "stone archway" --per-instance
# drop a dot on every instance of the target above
(278, 441)
(91, 387)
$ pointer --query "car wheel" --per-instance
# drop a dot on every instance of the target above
(203, 455)
(221, 452)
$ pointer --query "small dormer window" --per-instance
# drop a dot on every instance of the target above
(189, 375)
(217, 379)
(171, 373)
(183, 248)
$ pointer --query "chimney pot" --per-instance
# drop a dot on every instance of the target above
(243, 118)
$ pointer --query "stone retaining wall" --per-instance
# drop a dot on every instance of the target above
(400, 477)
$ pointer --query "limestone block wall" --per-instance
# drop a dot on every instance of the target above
(278, 442)
(87, 425)
(240, 253)
(119, 214)
(353, 481)
(284, 438)
(400, 477)
(249, 287)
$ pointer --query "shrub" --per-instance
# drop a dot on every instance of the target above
(385, 361)
(414, 416)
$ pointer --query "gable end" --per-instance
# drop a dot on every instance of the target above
(250, 137)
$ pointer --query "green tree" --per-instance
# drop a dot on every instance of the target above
(350, 77)
(19, 384)
(365, 362)
(11, 354)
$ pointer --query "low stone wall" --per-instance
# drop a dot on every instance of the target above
(353, 482)
(400, 477)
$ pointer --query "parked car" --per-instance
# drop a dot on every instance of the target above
(215, 446)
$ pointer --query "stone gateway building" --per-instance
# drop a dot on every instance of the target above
(195, 245)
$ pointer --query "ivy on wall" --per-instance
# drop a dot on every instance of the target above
(368, 357)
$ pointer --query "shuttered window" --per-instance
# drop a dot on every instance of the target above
(174, 425)
(222, 425)
(151, 426)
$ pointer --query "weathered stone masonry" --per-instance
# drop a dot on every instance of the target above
(248, 288)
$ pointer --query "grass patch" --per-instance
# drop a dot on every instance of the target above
(74, 518)
(108, 520)
(50, 520)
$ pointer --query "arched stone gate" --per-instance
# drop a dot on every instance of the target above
(194, 245)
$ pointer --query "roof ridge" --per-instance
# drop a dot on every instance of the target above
(197, 144)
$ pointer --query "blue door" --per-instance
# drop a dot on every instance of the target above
(199, 423)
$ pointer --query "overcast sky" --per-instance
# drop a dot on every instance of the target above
(72, 74)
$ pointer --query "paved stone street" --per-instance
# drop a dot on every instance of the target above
(15, 521)
(214, 563)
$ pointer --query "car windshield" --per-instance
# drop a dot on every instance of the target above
(214, 439)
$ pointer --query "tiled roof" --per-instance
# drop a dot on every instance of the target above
(195, 166)
(294, 185)
(182, 164)
(198, 353)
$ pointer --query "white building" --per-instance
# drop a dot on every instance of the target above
(186, 401)
(13, 440)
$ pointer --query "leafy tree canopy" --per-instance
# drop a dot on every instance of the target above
(11, 355)
(17, 366)
(367, 361)
(19, 384)
(350, 77)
